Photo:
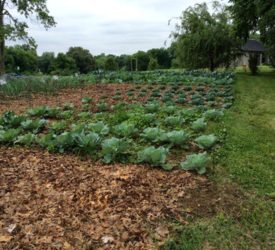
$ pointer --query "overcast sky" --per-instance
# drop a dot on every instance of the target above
(108, 26)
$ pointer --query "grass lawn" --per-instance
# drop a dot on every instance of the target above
(244, 171)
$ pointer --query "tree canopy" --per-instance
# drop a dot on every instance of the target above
(84, 60)
(11, 27)
(204, 39)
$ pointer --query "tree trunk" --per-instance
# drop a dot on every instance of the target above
(212, 66)
(2, 45)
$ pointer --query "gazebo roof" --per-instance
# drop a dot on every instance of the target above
(253, 46)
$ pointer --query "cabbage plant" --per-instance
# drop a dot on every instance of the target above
(174, 121)
(26, 140)
(199, 125)
(9, 136)
(213, 114)
(206, 141)
(125, 130)
(196, 162)
(114, 149)
(154, 134)
(99, 128)
(87, 143)
(178, 138)
(154, 156)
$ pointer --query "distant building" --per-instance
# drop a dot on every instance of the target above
(253, 47)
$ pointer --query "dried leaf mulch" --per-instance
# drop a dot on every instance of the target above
(50, 201)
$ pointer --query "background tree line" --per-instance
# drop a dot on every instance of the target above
(202, 39)
(24, 59)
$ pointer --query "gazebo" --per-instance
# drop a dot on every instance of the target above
(253, 47)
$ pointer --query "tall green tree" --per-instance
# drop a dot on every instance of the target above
(205, 39)
(142, 58)
(153, 64)
(11, 27)
(163, 57)
(64, 64)
(46, 62)
(252, 16)
(84, 60)
(21, 59)
(110, 63)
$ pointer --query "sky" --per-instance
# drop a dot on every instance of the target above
(109, 26)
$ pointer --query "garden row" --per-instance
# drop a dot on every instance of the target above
(200, 95)
(153, 134)
(51, 85)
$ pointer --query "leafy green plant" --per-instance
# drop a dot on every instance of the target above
(125, 130)
(196, 162)
(99, 128)
(84, 115)
(171, 109)
(66, 114)
(44, 112)
(152, 107)
(9, 136)
(46, 141)
(35, 126)
(58, 127)
(26, 140)
(178, 138)
(102, 107)
(213, 114)
(154, 134)
(174, 121)
(64, 142)
(87, 143)
(199, 125)
(206, 141)
(86, 100)
(68, 107)
(38, 111)
(154, 156)
(114, 149)
(10, 120)
(53, 112)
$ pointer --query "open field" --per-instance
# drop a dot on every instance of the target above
(108, 192)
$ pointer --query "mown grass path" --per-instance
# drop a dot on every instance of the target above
(244, 167)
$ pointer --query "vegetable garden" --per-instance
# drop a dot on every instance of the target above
(106, 163)
(160, 122)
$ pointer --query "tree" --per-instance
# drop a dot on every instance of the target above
(46, 62)
(84, 60)
(254, 16)
(153, 64)
(110, 63)
(163, 57)
(64, 64)
(21, 59)
(12, 28)
(142, 60)
(124, 62)
(205, 40)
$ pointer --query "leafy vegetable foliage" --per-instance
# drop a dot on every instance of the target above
(196, 162)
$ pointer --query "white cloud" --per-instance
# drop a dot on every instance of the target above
(108, 26)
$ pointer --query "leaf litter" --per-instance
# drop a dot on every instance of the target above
(51, 201)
